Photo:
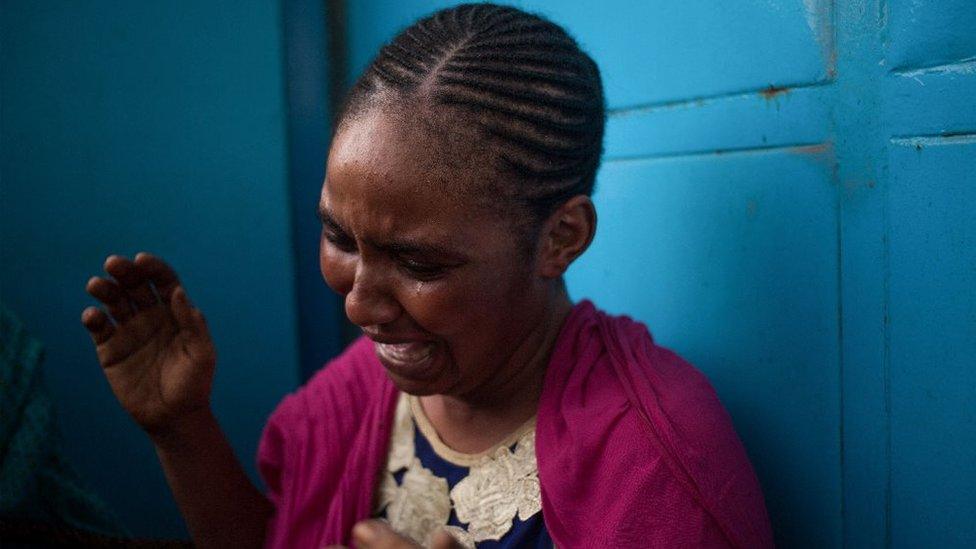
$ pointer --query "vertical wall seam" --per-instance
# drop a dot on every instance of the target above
(833, 38)
(337, 25)
(308, 88)
(839, 213)
(886, 339)
(882, 19)
(296, 314)
(859, 129)
(832, 73)
(840, 338)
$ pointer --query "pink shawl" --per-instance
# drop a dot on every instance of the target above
(633, 446)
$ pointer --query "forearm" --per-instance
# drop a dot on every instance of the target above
(221, 506)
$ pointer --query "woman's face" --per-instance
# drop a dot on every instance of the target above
(441, 284)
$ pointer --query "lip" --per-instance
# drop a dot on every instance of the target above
(392, 340)
(411, 358)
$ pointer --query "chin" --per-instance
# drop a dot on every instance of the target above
(414, 387)
(430, 376)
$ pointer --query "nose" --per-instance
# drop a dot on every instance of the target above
(371, 302)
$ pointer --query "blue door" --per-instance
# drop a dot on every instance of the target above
(788, 199)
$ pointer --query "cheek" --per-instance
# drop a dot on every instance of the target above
(433, 305)
(466, 309)
(338, 268)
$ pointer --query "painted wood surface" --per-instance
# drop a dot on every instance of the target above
(788, 199)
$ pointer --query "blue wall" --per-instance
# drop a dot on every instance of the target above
(794, 186)
(150, 126)
(792, 182)
(308, 71)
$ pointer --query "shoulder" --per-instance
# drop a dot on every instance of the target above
(650, 376)
(619, 406)
(320, 446)
(344, 383)
(614, 358)
(334, 399)
(673, 400)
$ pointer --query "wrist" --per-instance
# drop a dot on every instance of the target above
(185, 431)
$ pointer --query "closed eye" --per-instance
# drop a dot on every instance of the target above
(339, 240)
(422, 271)
(334, 233)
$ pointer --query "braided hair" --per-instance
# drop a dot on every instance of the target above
(530, 93)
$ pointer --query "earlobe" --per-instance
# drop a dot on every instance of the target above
(568, 233)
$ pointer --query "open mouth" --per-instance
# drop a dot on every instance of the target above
(410, 360)
(405, 353)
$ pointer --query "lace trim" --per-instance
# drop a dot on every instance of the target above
(453, 456)
(501, 484)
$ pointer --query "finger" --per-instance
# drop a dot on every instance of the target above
(132, 280)
(191, 321)
(110, 294)
(121, 345)
(110, 346)
(99, 326)
(183, 310)
(377, 534)
(162, 275)
(444, 540)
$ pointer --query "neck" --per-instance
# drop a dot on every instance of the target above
(475, 421)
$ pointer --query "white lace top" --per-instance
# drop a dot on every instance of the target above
(502, 483)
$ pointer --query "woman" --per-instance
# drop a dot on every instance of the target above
(481, 406)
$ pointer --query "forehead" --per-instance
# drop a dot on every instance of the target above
(385, 149)
(388, 174)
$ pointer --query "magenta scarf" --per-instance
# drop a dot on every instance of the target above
(633, 446)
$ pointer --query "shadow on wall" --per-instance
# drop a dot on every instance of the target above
(157, 127)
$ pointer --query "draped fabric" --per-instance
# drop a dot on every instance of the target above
(632, 444)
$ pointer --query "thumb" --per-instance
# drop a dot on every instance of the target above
(444, 540)
(378, 534)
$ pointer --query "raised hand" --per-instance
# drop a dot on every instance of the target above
(153, 345)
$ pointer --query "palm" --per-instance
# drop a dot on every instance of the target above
(157, 378)
(158, 357)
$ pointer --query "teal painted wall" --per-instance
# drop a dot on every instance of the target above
(787, 199)
(792, 183)
(156, 126)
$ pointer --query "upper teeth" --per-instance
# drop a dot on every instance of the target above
(404, 352)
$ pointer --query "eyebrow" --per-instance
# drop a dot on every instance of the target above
(398, 246)
(325, 216)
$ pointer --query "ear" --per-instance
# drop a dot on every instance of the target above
(566, 234)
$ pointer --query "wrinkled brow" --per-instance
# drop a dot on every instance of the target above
(399, 246)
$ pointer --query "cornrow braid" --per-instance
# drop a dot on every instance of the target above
(535, 95)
